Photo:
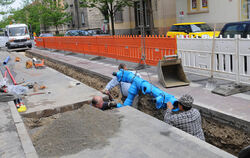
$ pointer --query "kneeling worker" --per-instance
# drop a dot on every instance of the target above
(98, 102)
(187, 118)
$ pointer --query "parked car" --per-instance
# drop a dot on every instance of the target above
(200, 29)
(46, 35)
(96, 32)
(231, 29)
(76, 33)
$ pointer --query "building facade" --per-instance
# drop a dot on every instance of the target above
(158, 16)
(82, 18)
(212, 11)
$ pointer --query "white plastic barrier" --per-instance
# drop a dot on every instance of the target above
(231, 57)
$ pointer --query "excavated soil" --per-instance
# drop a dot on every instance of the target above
(223, 136)
(72, 131)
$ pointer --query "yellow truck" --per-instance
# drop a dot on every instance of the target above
(195, 29)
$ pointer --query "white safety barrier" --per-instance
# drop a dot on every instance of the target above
(231, 57)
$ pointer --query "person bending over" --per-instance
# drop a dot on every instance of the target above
(124, 86)
(187, 118)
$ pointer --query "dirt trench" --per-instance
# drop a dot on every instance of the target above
(223, 136)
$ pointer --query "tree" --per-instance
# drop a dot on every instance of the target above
(53, 13)
(107, 7)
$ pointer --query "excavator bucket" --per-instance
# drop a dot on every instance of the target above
(170, 72)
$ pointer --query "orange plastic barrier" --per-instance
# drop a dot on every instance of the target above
(128, 48)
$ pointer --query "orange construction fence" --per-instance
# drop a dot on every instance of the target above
(127, 48)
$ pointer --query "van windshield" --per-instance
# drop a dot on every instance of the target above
(18, 31)
(200, 28)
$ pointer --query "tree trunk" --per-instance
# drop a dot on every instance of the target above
(57, 32)
(112, 24)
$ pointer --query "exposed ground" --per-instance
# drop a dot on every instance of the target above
(223, 136)
(53, 136)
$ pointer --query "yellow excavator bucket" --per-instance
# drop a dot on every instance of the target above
(170, 72)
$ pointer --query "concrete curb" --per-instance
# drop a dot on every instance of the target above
(27, 145)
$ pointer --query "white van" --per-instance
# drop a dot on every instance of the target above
(18, 36)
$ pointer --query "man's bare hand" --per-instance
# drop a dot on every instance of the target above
(170, 105)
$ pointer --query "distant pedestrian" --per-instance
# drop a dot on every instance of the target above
(98, 102)
(124, 86)
(187, 118)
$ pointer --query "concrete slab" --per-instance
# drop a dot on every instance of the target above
(61, 90)
(148, 137)
(10, 144)
(232, 110)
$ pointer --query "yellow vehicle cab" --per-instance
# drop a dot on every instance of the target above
(195, 29)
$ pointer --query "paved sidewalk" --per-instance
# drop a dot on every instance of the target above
(10, 144)
(233, 110)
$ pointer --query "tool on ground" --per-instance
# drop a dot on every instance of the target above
(35, 94)
(35, 87)
(170, 72)
(6, 60)
(17, 59)
(29, 64)
(12, 78)
(42, 87)
(38, 63)
(19, 105)
(211, 83)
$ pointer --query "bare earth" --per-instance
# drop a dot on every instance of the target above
(70, 132)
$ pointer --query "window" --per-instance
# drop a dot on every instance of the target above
(180, 28)
(197, 6)
(83, 19)
(194, 4)
(245, 9)
(204, 4)
(118, 16)
(146, 16)
(234, 29)
(200, 28)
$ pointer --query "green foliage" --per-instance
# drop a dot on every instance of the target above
(53, 13)
(47, 13)
(107, 7)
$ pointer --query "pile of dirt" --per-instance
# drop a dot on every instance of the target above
(225, 137)
(73, 131)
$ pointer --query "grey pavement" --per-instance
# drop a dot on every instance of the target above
(10, 144)
(233, 110)
(142, 136)
(59, 87)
